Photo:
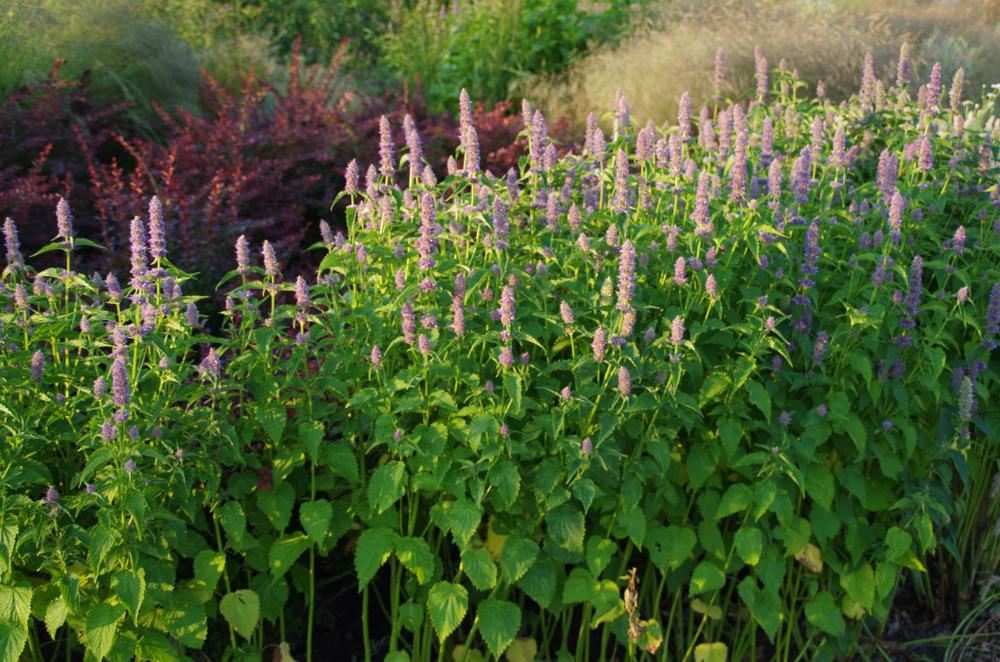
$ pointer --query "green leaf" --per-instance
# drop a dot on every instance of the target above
(241, 609)
(415, 555)
(749, 545)
(15, 602)
(13, 637)
(315, 517)
(635, 526)
(208, 567)
(713, 652)
(462, 518)
(598, 554)
(760, 398)
(272, 419)
(55, 616)
(512, 384)
(824, 613)
(233, 521)
(311, 434)
(819, 484)
(276, 504)
(700, 465)
(479, 568)
(447, 604)
(713, 387)
(898, 542)
(539, 583)
(102, 626)
(580, 586)
(185, 619)
(340, 459)
(387, 486)
(856, 429)
(374, 547)
(670, 546)
(130, 587)
(736, 499)
(765, 607)
(499, 622)
(284, 551)
(706, 577)
(860, 586)
(566, 527)
(516, 557)
(506, 482)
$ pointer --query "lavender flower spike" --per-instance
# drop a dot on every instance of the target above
(15, 260)
(677, 331)
(352, 177)
(624, 382)
(119, 382)
(210, 365)
(270, 260)
(242, 255)
(600, 344)
(621, 182)
(626, 275)
(720, 69)
(376, 356)
(37, 366)
(567, 313)
(137, 243)
(507, 306)
(157, 230)
(680, 267)
(301, 292)
(64, 221)
(387, 160)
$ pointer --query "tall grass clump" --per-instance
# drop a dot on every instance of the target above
(821, 41)
(712, 389)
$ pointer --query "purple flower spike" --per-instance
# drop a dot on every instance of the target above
(506, 357)
(352, 178)
(761, 73)
(64, 221)
(157, 230)
(626, 275)
(963, 295)
(51, 497)
(566, 312)
(624, 382)
(566, 394)
(621, 182)
(137, 244)
(587, 446)
(129, 466)
(387, 160)
(993, 312)
(109, 431)
(376, 356)
(934, 87)
(242, 255)
(192, 315)
(680, 271)
(819, 348)
(409, 323)
(210, 365)
(507, 306)
(904, 68)
(711, 288)
(896, 205)
(37, 366)
(15, 260)
(720, 69)
(703, 225)
(785, 419)
(600, 344)
(821, 411)
(423, 344)
(458, 316)
(677, 331)
(119, 382)
(270, 260)
(301, 292)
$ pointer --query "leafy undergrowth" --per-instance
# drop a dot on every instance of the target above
(710, 390)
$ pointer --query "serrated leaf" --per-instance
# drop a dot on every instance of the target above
(539, 583)
(276, 504)
(819, 484)
(522, 650)
(233, 521)
(284, 551)
(516, 557)
(415, 555)
(241, 609)
(130, 587)
(736, 499)
(479, 568)
(566, 527)
(707, 577)
(670, 546)
(208, 567)
(598, 554)
(506, 482)
(272, 418)
(387, 486)
(447, 605)
(749, 544)
(824, 613)
(55, 616)
(760, 398)
(860, 585)
(13, 637)
(499, 622)
(315, 517)
(341, 461)
(101, 628)
(374, 547)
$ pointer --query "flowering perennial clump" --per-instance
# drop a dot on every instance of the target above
(743, 358)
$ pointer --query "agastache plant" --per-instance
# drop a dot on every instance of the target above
(741, 366)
